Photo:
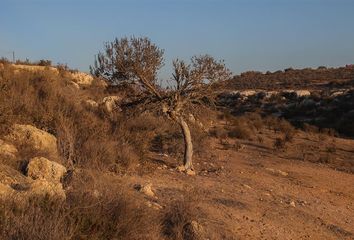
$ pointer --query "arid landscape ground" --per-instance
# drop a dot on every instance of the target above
(273, 160)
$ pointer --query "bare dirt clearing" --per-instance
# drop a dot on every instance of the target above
(255, 194)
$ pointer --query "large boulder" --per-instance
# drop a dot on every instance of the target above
(37, 139)
(42, 168)
(82, 78)
(18, 187)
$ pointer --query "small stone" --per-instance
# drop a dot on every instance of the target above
(147, 189)
(181, 168)
(246, 186)
(96, 193)
(156, 206)
(190, 172)
(279, 172)
(292, 203)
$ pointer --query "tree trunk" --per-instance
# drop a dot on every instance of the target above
(188, 146)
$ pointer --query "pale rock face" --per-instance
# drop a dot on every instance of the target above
(247, 93)
(7, 150)
(36, 138)
(42, 168)
(14, 185)
(110, 102)
(302, 93)
(82, 78)
(336, 94)
(244, 93)
(36, 68)
(270, 94)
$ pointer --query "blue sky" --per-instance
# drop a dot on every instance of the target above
(247, 34)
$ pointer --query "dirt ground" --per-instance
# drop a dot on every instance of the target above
(257, 193)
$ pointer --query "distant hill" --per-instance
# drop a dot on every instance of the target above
(308, 78)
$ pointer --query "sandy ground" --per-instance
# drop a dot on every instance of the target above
(256, 193)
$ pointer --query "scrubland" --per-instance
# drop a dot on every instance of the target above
(265, 169)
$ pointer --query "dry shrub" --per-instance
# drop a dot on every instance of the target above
(176, 220)
(200, 141)
(310, 128)
(135, 133)
(240, 129)
(218, 132)
(169, 142)
(328, 158)
(329, 132)
(108, 213)
(31, 97)
(271, 122)
(42, 99)
(279, 144)
(287, 129)
(256, 120)
(35, 219)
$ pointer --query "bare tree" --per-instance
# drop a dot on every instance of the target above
(137, 61)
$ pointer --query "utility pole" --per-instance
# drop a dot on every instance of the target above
(13, 56)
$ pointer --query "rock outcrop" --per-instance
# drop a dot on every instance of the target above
(43, 179)
(34, 68)
(37, 139)
(82, 78)
(42, 168)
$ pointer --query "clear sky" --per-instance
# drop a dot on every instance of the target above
(247, 34)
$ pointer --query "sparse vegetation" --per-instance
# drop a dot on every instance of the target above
(106, 153)
(82, 216)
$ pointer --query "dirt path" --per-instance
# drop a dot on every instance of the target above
(248, 195)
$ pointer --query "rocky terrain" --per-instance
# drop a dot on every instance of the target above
(321, 108)
(75, 164)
